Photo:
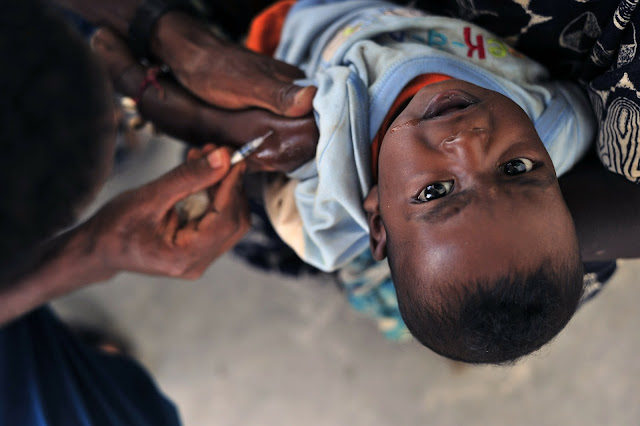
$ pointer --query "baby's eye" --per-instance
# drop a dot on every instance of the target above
(517, 166)
(435, 190)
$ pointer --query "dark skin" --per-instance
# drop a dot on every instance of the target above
(218, 72)
(209, 77)
(179, 113)
(494, 174)
(140, 230)
(243, 79)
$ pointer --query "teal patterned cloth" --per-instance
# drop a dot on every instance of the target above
(369, 290)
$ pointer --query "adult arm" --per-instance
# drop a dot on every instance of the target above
(218, 72)
(606, 210)
(139, 231)
(177, 112)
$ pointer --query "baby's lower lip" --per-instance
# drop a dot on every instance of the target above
(449, 102)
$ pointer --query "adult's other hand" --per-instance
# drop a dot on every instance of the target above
(220, 73)
(180, 114)
(226, 74)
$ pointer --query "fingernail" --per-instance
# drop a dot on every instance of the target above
(215, 159)
(300, 103)
(300, 94)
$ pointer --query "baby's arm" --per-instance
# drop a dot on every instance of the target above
(606, 211)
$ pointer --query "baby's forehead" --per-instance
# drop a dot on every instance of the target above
(447, 283)
(484, 243)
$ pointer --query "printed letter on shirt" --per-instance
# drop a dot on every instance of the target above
(496, 48)
(479, 46)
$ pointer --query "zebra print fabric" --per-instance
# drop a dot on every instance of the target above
(613, 87)
(595, 42)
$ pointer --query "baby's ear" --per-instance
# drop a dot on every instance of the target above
(377, 233)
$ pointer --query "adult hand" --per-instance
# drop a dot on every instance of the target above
(218, 72)
(177, 112)
(225, 74)
(141, 231)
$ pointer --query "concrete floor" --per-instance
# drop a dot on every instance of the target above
(241, 347)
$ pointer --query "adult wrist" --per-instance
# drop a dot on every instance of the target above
(91, 245)
(86, 244)
(179, 39)
(145, 20)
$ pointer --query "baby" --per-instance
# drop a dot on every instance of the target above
(468, 210)
(439, 148)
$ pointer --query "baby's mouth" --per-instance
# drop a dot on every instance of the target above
(449, 102)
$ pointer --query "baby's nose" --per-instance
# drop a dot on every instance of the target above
(473, 141)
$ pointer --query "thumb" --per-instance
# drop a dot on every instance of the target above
(191, 177)
(290, 100)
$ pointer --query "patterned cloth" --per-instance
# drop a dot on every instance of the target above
(369, 289)
(592, 41)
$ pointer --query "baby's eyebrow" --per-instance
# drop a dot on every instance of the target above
(534, 181)
(445, 209)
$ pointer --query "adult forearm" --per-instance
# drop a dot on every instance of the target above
(606, 210)
(65, 264)
(216, 71)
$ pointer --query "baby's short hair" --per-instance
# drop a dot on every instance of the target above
(52, 126)
(493, 321)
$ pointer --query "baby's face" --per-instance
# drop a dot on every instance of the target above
(466, 187)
